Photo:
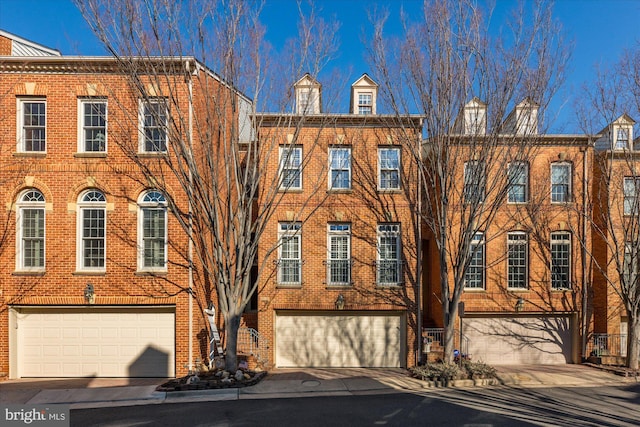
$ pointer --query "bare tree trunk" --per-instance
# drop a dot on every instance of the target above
(633, 341)
(231, 327)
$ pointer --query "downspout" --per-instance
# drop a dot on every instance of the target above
(585, 212)
(418, 214)
(190, 248)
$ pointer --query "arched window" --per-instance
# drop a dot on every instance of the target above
(152, 231)
(30, 231)
(92, 219)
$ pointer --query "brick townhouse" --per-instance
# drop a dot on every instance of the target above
(524, 286)
(343, 286)
(94, 271)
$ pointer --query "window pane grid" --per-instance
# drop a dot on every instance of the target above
(389, 161)
(474, 274)
(389, 265)
(32, 238)
(289, 263)
(34, 126)
(340, 168)
(155, 126)
(560, 182)
(154, 237)
(93, 238)
(560, 260)
(517, 183)
(291, 165)
(339, 263)
(630, 191)
(95, 126)
(517, 261)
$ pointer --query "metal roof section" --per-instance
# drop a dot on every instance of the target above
(24, 47)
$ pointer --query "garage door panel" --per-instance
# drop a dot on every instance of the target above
(338, 341)
(520, 340)
(99, 342)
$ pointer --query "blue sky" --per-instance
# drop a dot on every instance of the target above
(599, 29)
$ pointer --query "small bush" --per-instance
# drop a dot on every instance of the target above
(447, 371)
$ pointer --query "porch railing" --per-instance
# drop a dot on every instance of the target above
(607, 345)
(250, 342)
(433, 340)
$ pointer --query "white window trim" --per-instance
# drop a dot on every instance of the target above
(526, 182)
(627, 143)
(380, 188)
(20, 206)
(570, 261)
(281, 168)
(81, 206)
(330, 183)
(142, 205)
(81, 124)
(569, 185)
(479, 187)
(480, 238)
(141, 125)
(395, 231)
(20, 124)
(338, 233)
(368, 105)
(524, 242)
(284, 230)
(635, 180)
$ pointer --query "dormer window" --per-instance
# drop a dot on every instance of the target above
(307, 95)
(622, 139)
(365, 103)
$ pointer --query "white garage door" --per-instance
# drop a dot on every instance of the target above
(95, 342)
(519, 340)
(339, 341)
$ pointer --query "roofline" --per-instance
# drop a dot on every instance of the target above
(35, 45)
(342, 119)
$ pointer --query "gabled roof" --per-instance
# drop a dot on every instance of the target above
(365, 80)
(624, 119)
(306, 80)
(24, 47)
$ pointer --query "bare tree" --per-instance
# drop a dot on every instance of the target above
(226, 192)
(447, 56)
(615, 224)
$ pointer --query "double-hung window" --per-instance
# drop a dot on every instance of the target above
(30, 232)
(560, 260)
(33, 125)
(290, 168)
(289, 262)
(389, 263)
(339, 168)
(93, 128)
(630, 189)
(154, 122)
(365, 103)
(339, 254)
(388, 168)
(622, 139)
(152, 231)
(630, 266)
(517, 260)
(518, 176)
(474, 182)
(474, 273)
(92, 214)
(560, 182)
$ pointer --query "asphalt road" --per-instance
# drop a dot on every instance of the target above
(481, 407)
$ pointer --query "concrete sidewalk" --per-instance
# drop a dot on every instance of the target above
(281, 383)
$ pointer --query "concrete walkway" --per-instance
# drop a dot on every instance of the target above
(280, 383)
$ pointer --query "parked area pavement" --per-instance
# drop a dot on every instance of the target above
(282, 383)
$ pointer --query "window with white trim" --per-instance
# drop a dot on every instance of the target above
(152, 231)
(474, 274)
(389, 168)
(32, 114)
(474, 182)
(339, 168)
(517, 260)
(518, 175)
(365, 103)
(622, 138)
(339, 254)
(630, 265)
(289, 254)
(92, 216)
(290, 168)
(631, 185)
(389, 262)
(154, 114)
(30, 231)
(560, 182)
(93, 125)
(560, 260)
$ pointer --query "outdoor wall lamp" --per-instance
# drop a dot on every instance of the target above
(89, 294)
(520, 304)
(340, 302)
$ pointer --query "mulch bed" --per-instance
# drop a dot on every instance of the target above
(211, 381)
